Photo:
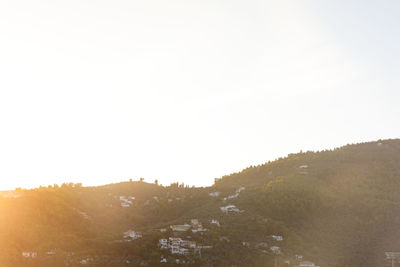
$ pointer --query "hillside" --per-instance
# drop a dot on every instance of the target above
(336, 208)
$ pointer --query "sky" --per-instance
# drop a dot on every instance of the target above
(185, 91)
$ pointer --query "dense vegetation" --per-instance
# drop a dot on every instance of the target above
(338, 208)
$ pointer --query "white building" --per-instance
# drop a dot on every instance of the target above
(132, 234)
(180, 228)
(126, 202)
(28, 254)
(277, 237)
(240, 189)
(230, 208)
(175, 241)
(175, 249)
(214, 194)
(275, 249)
(306, 264)
(216, 222)
(299, 257)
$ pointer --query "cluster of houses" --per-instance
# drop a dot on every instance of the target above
(34, 254)
(177, 245)
(126, 202)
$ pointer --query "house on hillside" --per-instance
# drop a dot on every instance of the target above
(275, 249)
(175, 241)
(126, 202)
(306, 264)
(216, 222)
(28, 254)
(230, 208)
(197, 226)
(180, 227)
(214, 194)
(277, 237)
(163, 243)
(240, 189)
(132, 234)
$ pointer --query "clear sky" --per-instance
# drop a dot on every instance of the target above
(103, 91)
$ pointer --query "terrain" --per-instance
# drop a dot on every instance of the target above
(336, 208)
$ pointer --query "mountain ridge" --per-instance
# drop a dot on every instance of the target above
(337, 207)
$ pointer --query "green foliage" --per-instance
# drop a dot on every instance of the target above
(337, 208)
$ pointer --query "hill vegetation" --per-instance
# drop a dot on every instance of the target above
(337, 208)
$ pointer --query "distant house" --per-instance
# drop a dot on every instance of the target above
(163, 260)
(180, 228)
(230, 208)
(163, 230)
(275, 249)
(240, 189)
(197, 226)
(183, 251)
(126, 202)
(277, 237)
(51, 252)
(306, 264)
(163, 243)
(213, 221)
(194, 222)
(175, 241)
(86, 261)
(175, 249)
(299, 257)
(132, 234)
(214, 194)
(188, 244)
(29, 254)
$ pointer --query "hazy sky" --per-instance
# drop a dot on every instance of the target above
(103, 91)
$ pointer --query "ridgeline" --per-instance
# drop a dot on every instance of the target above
(336, 208)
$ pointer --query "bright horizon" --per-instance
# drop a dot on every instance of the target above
(101, 92)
